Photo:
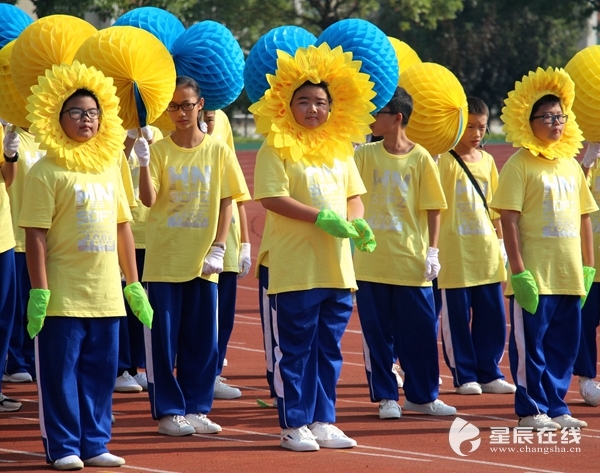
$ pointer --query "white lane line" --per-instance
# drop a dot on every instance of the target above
(397, 457)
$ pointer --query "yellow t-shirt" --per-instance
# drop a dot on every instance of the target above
(81, 212)
(262, 258)
(595, 217)
(551, 196)
(182, 223)
(7, 238)
(400, 191)
(469, 249)
(29, 154)
(302, 256)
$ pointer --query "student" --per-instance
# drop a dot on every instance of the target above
(396, 307)
(188, 180)
(75, 214)
(544, 204)
(471, 249)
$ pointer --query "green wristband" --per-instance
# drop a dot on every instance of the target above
(138, 302)
(366, 239)
(36, 310)
(526, 291)
(588, 279)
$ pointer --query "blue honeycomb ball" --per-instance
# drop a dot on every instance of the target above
(262, 59)
(210, 54)
(13, 20)
(371, 46)
(162, 24)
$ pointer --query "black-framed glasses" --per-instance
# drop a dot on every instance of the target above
(186, 106)
(77, 113)
(550, 118)
(384, 112)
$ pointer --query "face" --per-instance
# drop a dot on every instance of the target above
(83, 129)
(185, 119)
(547, 133)
(475, 131)
(209, 119)
(385, 121)
(310, 106)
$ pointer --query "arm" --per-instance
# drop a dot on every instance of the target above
(224, 220)
(126, 252)
(587, 241)
(498, 226)
(35, 253)
(146, 188)
(245, 234)
(433, 224)
(510, 228)
(9, 172)
(290, 208)
(356, 208)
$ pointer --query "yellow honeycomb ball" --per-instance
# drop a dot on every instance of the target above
(12, 104)
(407, 57)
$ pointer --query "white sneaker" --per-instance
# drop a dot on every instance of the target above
(105, 459)
(70, 462)
(300, 439)
(8, 405)
(127, 384)
(17, 378)
(329, 436)
(539, 422)
(224, 362)
(112, 418)
(224, 391)
(469, 388)
(589, 390)
(566, 421)
(498, 386)
(141, 379)
(202, 424)
(175, 426)
(389, 409)
(275, 402)
(398, 374)
(434, 408)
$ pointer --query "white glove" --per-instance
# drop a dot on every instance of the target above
(592, 153)
(203, 127)
(147, 133)
(3, 122)
(503, 251)
(11, 144)
(244, 262)
(142, 151)
(432, 264)
(213, 263)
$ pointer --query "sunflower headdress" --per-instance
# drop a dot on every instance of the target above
(349, 119)
(45, 104)
(519, 104)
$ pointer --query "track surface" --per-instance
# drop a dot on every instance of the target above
(250, 441)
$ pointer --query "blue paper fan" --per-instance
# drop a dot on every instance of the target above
(162, 24)
(371, 46)
(13, 20)
(262, 59)
(210, 54)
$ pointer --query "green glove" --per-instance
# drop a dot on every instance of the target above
(138, 302)
(36, 310)
(526, 291)
(588, 279)
(330, 222)
(366, 239)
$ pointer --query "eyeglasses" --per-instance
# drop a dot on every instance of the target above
(186, 107)
(384, 112)
(549, 118)
(78, 113)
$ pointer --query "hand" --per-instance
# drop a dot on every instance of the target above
(330, 222)
(526, 291)
(432, 264)
(36, 310)
(503, 251)
(147, 133)
(245, 261)
(588, 279)
(138, 303)
(592, 153)
(142, 151)
(213, 263)
(11, 144)
(366, 239)
(3, 122)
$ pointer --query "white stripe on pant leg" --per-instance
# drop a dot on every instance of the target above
(150, 365)
(447, 332)
(39, 386)
(277, 381)
(267, 333)
(520, 342)
(368, 364)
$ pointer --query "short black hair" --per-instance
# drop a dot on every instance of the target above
(186, 81)
(477, 106)
(401, 102)
(321, 85)
(81, 93)
(548, 99)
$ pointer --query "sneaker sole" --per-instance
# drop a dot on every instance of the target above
(417, 408)
(129, 390)
(498, 391)
(227, 396)
(105, 464)
(307, 448)
(203, 431)
(391, 415)
(170, 433)
(348, 443)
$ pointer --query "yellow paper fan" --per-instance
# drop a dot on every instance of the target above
(407, 57)
(439, 116)
(518, 106)
(584, 69)
(164, 122)
(133, 58)
(12, 104)
(48, 41)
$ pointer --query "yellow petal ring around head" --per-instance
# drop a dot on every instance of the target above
(518, 106)
(46, 102)
(134, 58)
(407, 57)
(350, 115)
(12, 104)
(439, 116)
(46, 42)
(584, 69)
